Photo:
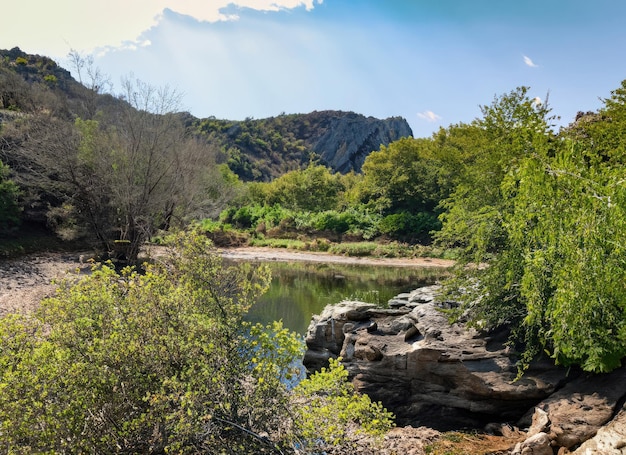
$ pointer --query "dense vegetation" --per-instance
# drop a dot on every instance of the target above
(263, 149)
(163, 362)
(537, 216)
(546, 212)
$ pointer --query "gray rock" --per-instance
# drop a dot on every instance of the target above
(426, 370)
(344, 139)
(609, 440)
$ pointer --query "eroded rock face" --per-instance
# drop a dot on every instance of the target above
(609, 440)
(344, 139)
(427, 371)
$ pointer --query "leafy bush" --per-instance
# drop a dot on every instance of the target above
(159, 362)
(408, 225)
(163, 362)
(330, 412)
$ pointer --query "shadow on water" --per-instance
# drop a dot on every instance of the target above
(299, 290)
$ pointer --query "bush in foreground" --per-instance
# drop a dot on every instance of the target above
(155, 362)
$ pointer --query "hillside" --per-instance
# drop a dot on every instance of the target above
(259, 149)
(266, 148)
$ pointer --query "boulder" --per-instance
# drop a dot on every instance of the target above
(609, 440)
(426, 370)
(576, 412)
(538, 444)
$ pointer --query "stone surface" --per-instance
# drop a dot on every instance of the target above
(609, 440)
(344, 139)
(576, 412)
(427, 371)
(538, 444)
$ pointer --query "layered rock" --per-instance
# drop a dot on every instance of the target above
(344, 139)
(425, 369)
(443, 375)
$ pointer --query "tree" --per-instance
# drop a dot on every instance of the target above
(313, 189)
(556, 277)
(9, 206)
(92, 79)
(403, 177)
(482, 154)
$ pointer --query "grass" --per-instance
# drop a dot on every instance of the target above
(292, 244)
(355, 249)
(457, 443)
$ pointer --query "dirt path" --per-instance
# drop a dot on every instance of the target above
(27, 280)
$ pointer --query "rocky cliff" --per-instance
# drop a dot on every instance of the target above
(446, 376)
(344, 139)
(266, 148)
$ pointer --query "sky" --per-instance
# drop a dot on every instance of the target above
(433, 62)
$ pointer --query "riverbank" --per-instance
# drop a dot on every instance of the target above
(278, 254)
(24, 281)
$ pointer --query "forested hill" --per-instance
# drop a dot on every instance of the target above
(259, 149)
(266, 148)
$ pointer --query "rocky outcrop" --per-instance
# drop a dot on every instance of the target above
(426, 370)
(609, 440)
(264, 149)
(446, 376)
(344, 139)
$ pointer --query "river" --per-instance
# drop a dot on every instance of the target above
(301, 289)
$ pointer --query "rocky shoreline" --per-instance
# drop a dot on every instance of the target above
(24, 281)
(450, 377)
(434, 375)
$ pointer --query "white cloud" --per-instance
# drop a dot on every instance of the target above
(529, 62)
(53, 28)
(429, 116)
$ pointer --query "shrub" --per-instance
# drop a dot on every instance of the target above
(159, 362)
(330, 412)
(407, 225)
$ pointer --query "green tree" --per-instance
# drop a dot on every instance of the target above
(313, 189)
(9, 206)
(404, 176)
(557, 275)
(481, 154)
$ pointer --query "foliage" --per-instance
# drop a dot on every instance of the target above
(418, 225)
(512, 127)
(330, 412)
(313, 189)
(158, 362)
(163, 362)
(9, 205)
(556, 272)
(404, 176)
(259, 150)
(252, 215)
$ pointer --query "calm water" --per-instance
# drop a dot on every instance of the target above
(300, 290)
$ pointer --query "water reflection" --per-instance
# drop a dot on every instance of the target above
(299, 290)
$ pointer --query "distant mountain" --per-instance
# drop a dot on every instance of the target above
(263, 149)
(255, 149)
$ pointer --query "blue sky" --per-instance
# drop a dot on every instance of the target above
(433, 62)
